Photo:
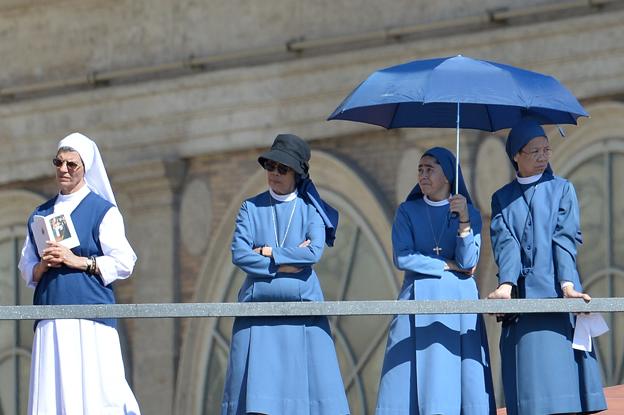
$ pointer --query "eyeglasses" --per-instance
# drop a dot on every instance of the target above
(71, 165)
(534, 154)
(270, 165)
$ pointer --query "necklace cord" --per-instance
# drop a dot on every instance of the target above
(437, 241)
(274, 211)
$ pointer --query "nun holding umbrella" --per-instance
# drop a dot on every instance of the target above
(437, 364)
(283, 365)
(76, 366)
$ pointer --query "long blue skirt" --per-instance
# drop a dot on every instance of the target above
(284, 366)
(542, 373)
(437, 364)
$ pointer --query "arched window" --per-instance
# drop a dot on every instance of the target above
(15, 336)
(597, 179)
(358, 267)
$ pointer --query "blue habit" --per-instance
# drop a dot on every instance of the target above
(435, 364)
(535, 229)
(281, 366)
(66, 285)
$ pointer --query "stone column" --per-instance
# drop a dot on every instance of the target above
(148, 198)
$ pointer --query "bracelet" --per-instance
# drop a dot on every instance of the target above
(91, 265)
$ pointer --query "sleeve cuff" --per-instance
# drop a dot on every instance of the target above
(108, 270)
(276, 256)
(465, 233)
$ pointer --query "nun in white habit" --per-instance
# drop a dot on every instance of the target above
(76, 365)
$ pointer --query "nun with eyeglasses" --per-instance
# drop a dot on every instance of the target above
(76, 364)
(535, 231)
(283, 365)
(437, 363)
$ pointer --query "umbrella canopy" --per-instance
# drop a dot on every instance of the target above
(458, 92)
(426, 93)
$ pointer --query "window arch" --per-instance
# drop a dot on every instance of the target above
(15, 336)
(359, 267)
(592, 158)
(601, 257)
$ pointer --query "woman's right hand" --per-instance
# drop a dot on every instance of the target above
(503, 292)
(51, 256)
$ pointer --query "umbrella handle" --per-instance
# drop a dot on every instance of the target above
(457, 153)
(455, 214)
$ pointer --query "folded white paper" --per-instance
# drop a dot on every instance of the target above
(588, 326)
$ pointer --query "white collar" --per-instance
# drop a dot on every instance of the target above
(528, 180)
(283, 198)
(77, 195)
(430, 202)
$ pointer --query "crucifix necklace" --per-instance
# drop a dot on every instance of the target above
(275, 222)
(437, 248)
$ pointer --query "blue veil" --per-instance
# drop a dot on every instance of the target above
(446, 159)
(524, 131)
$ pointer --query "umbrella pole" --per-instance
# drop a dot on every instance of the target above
(457, 153)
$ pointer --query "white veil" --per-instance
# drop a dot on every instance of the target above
(95, 173)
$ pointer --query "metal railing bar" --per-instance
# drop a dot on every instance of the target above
(329, 308)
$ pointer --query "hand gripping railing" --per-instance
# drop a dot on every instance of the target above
(329, 308)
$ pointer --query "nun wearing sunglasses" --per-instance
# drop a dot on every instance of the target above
(76, 364)
(283, 365)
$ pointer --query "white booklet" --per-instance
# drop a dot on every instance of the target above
(588, 326)
(56, 227)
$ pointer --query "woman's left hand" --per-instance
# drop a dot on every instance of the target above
(452, 266)
(570, 292)
(56, 255)
(460, 205)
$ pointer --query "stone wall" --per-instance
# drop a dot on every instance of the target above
(179, 149)
(72, 38)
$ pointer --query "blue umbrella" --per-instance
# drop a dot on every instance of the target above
(458, 92)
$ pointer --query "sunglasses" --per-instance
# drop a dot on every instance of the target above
(71, 165)
(270, 165)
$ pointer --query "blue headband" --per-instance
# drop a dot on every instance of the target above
(446, 160)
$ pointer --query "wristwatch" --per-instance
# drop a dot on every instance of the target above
(89, 266)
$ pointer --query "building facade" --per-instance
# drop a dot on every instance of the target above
(182, 96)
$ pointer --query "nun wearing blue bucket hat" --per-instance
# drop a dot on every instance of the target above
(437, 364)
(535, 230)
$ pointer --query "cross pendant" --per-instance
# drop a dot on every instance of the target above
(437, 250)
